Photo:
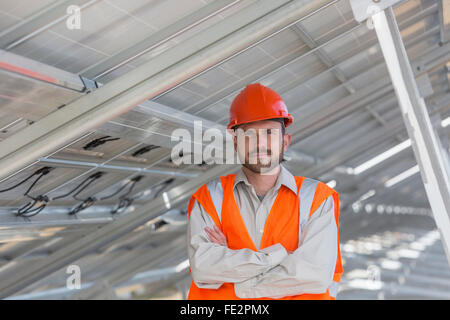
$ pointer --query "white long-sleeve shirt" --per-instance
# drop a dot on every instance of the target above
(268, 272)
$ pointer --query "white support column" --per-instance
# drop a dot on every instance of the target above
(425, 144)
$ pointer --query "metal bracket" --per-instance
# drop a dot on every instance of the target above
(363, 9)
(89, 85)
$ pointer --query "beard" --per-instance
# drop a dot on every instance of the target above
(265, 165)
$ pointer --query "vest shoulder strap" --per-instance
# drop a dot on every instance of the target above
(312, 193)
(203, 196)
(216, 193)
(306, 197)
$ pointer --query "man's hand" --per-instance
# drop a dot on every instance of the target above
(216, 236)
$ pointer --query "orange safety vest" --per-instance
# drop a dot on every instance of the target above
(282, 226)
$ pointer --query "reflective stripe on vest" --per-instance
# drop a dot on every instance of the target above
(216, 193)
(333, 289)
(306, 195)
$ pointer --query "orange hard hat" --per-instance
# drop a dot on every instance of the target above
(255, 103)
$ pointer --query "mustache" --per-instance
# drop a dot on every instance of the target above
(256, 152)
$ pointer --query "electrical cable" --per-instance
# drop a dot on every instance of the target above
(38, 203)
(85, 203)
(97, 142)
(163, 185)
(124, 200)
(145, 149)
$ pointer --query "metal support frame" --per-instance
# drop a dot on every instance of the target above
(381, 193)
(415, 115)
(166, 274)
(167, 113)
(144, 46)
(98, 264)
(444, 20)
(443, 142)
(340, 76)
(354, 97)
(360, 98)
(114, 168)
(125, 272)
(236, 33)
(104, 235)
(39, 22)
(323, 56)
(391, 129)
(260, 75)
(38, 71)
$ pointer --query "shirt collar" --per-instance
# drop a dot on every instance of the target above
(285, 178)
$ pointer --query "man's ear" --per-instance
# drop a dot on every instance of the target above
(286, 141)
(231, 131)
(233, 134)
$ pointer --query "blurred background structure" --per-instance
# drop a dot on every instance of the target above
(92, 90)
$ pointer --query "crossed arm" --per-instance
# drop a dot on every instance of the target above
(272, 271)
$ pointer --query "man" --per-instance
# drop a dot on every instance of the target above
(263, 233)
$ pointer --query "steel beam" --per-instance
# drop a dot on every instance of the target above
(323, 56)
(341, 159)
(227, 92)
(217, 97)
(34, 70)
(115, 168)
(177, 277)
(104, 235)
(367, 185)
(417, 121)
(378, 88)
(39, 22)
(444, 20)
(340, 162)
(257, 76)
(221, 41)
(124, 272)
(109, 64)
(145, 277)
(101, 265)
(392, 128)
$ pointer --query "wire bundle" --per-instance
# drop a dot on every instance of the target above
(124, 200)
(87, 202)
(38, 203)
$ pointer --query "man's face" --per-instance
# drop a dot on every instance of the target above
(261, 145)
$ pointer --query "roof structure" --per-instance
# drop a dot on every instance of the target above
(90, 96)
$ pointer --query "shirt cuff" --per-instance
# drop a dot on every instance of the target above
(276, 253)
(243, 289)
